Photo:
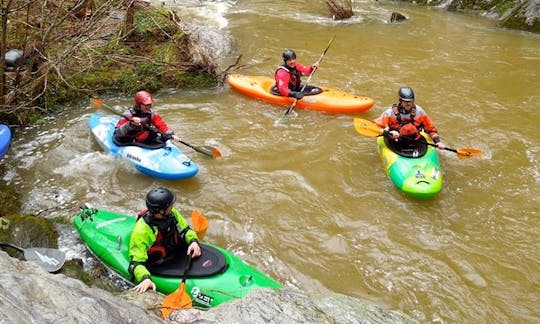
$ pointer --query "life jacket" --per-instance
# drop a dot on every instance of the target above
(168, 237)
(402, 120)
(294, 80)
(146, 118)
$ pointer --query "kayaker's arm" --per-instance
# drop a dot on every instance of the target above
(187, 234)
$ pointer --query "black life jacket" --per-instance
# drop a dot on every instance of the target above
(400, 112)
(168, 237)
(146, 118)
(294, 81)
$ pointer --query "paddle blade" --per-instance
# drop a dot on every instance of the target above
(216, 153)
(199, 223)
(469, 152)
(96, 103)
(367, 127)
(49, 259)
(177, 300)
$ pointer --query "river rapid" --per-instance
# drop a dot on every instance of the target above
(308, 202)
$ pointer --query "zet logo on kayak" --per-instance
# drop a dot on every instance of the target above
(200, 297)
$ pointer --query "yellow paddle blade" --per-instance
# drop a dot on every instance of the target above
(468, 152)
(177, 300)
(199, 223)
(367, 127)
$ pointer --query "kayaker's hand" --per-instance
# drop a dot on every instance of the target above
(314, 67)
(176, 138)
(194, 249)
(145, 285)
(394, 134)
(136, 121)
(296, 94)
(441, 145)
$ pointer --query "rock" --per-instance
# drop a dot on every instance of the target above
(397, 17)
(28, 294)
(13, 59)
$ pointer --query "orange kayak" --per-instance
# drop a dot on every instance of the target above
(329, 100)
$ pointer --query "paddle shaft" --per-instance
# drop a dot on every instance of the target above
(188, 266)
(371, 129)
(290, 109)
(12, 246)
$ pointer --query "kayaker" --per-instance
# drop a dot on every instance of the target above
(159, 234)
(140, 124)
(288, 76)
(399, 119)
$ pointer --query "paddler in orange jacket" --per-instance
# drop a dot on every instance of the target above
(288, 75)
(399, 119)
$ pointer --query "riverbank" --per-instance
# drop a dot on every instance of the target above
(95, 48)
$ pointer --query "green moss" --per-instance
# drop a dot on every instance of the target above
(28, 230)
(10, 202)
(151, 25)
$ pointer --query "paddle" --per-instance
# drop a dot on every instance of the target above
(179, 298)
(371, 129)
(199, 223)
(206, 150)
(50, 260)
(290, 109)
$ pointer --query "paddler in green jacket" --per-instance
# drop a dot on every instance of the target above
(159, 233)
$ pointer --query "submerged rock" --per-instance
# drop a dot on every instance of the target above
(397, 17)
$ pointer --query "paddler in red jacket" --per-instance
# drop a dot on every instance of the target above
(288, 75)
(140, 124)
(405, 119)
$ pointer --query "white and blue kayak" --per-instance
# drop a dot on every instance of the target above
(5, 139)
(167, 162)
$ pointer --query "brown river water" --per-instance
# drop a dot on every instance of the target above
(308, 202)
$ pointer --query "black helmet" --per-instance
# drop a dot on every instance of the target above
(289, 55)
(406, 94)
(159, 199)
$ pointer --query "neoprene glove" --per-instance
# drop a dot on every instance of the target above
(296, 94)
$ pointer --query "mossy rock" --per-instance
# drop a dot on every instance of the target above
(28, 231)
(10, 202)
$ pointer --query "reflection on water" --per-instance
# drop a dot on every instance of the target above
(309, 202)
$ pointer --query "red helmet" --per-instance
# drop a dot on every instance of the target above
(144, 98)
(409, 131)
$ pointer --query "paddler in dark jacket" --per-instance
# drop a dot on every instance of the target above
(288, 75)
(141, 124)
(159, 233)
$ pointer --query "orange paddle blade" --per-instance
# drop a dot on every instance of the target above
(199, 223)
(215, 152)
(469, 152)
(177, 300)
(367, 127)
(97, 102)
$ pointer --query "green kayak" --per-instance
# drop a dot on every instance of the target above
(217, 276)
(413, 168)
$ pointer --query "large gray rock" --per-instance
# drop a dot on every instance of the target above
(28, 294)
